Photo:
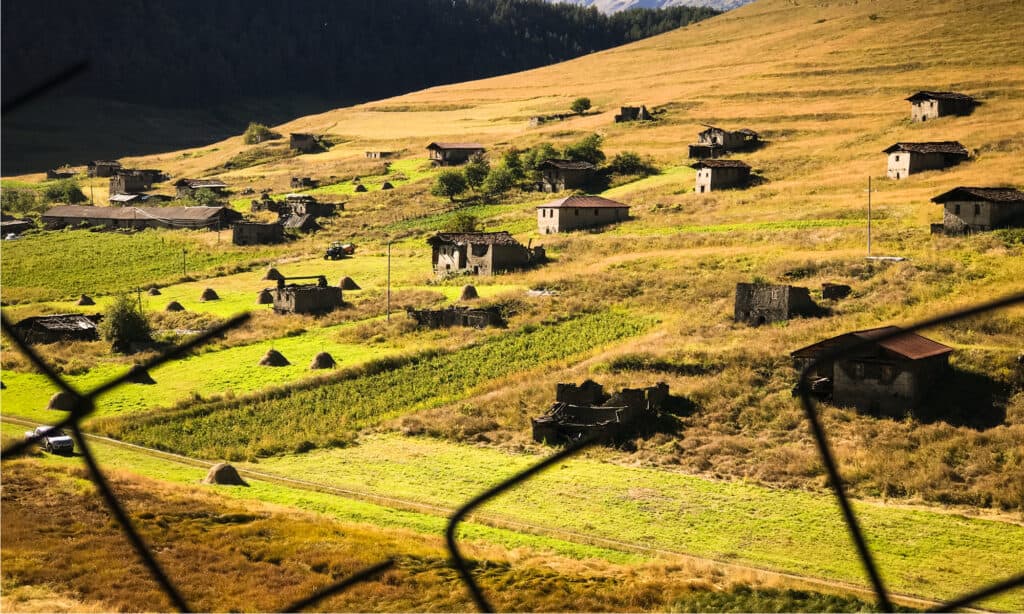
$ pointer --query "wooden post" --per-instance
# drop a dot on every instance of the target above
(869, 215)
(389, 283)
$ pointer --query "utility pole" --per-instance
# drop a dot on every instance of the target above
(869, 215)
(138, 291)
(389, 283)
(184, 272)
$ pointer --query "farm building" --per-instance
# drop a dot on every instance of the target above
(446, 154)
(10, 225)
(140, 217)
(909, 158)
(714, 142)
(632, 114)
(128, 181)
(929, 105)
(305, 204)
(888, 376)
(721, 174)
(64, 327)
(253, 233)
(758, 304)
(303, 183)
(585, 410)
(301, 223)
(972, 209)
(480, 253)
(102, 168)
(60, 173)
(558, 175)
(379, 155)
(573, 212)
(306, 298)
(457, 316)
(186, 188)
(306, 143)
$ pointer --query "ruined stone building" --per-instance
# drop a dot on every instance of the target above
(303, 142)
(129, 181)
(379, 155)
(102, 168)
(585, 410)
(574, 212)
(458, 316)
(974, 209)
(63, 327)
(304, 183)
(60, 173)
(714, 142)
(909, 158)
(632, 114)
(758, 304)
(720, 175)
(306, 204)
(929, 105)
(301, 223)
(480, 253)
(889, 376)
(448, 154)
(559, 175)
(254, 233)
(315, 298)
(186, 188)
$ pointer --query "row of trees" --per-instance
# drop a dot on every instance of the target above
(25, 200)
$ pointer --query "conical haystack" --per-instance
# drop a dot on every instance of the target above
(209, 295)
(468, 293)
(265, 297)
(323, 360)
(273, 274)
(154, 292)
(273, 358)
(86, 300)
(387, 186)
(347, 283)
(62, 400)
(174, 306)
(360, 188)
(138, 375)
(225, 475)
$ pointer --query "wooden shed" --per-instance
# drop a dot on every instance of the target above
(446, 154)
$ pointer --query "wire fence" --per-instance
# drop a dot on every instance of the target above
(81, 405)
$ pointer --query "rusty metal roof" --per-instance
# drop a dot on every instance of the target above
(584, 201)
(65, 322)
(910, 345)
(925, 95)
(992, 195)
(87, 212)
(569, 165)
(474, 238)
(197, 184)
(946, 147)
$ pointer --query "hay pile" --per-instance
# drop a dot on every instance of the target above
(347, 283)
(154, 292)
(265, 297)
(224, 474)
(360, 188)
(209, 295)
(273, 358)
(174, 306)
(138, 375)
(387, 186)
(86, 300)
(62, 400)
(468, 293)
(273, 275)
(323, 360)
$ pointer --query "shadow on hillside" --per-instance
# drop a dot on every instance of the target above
(965, 398)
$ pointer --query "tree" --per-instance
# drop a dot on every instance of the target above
(476, 171)
(14, 200)
(499, 181)
(535, 155)
(513, 162)
(449, 183)
(463, 222)
(64, 191)
(257, 133)
(630, 163)
(587, 149)
(124, 323)
(580, 105)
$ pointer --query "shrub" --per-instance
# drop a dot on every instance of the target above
(257, 133)
(64, 191)
(463, 222)
(123, 324)
(476, 171)
(513, 162)
(630, 163)
(20, 201)
(587, 149)
(580, 105)
(499, 181)
(450, 184)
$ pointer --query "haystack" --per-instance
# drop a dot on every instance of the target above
(209, 295)
(387, 186)
(273, 358)
(273, 274)
(86, 300)
(265, 297)
(323, 360)
(174, 306)
(360, 188)
(154, 292)
(347, 283)
(138, 375)
(224, 474)
(63, 401)
(468, 293)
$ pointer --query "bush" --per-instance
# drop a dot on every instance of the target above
(513, 162)
(123, 324)
(64, 191)
(587, 149)
(630, 163)
(580, 105)
(20, 201)
(499, 181)
(476, 171)
(257, 133)
(449, 184)
(463, 222)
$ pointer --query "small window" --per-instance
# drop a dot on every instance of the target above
(595, 212)
(576, 211)
(977, 209)
(858, 370)
(897, 157)
(956, 209)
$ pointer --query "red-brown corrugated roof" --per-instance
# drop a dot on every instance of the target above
(584, 201)
(992, 195)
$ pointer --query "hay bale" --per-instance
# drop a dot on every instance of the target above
(468, 293)
(323, 360)
(138, 375)
(225, 475)
(208, 295)
(347, 283)
(273, 358)
(387, 186)
(174, 306)
(63, 401)
(86, 300)
(154, 292)
(273, 275)
(265, 297)
(360, 188)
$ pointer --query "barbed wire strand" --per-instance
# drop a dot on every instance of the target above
(360, 576)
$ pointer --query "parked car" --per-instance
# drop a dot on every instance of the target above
(52, 440)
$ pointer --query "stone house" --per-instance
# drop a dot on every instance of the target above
(887, 376)
(303, 142)
(130, 181)
(253, 233)
(138, 218)
(586, 411)
(973, 209)
(448, 154)
(909, 158)
(758, 304)
(60, 173)
(186, 188)
(379, 155)
(306, 298)
(480, 253)
(559, 175)
(632, 114)
(63, 327)
(306, 204)
(927, 105)
(714, 142)
(573, 212)
(102, 168)
(458, 316)
(720, 175)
